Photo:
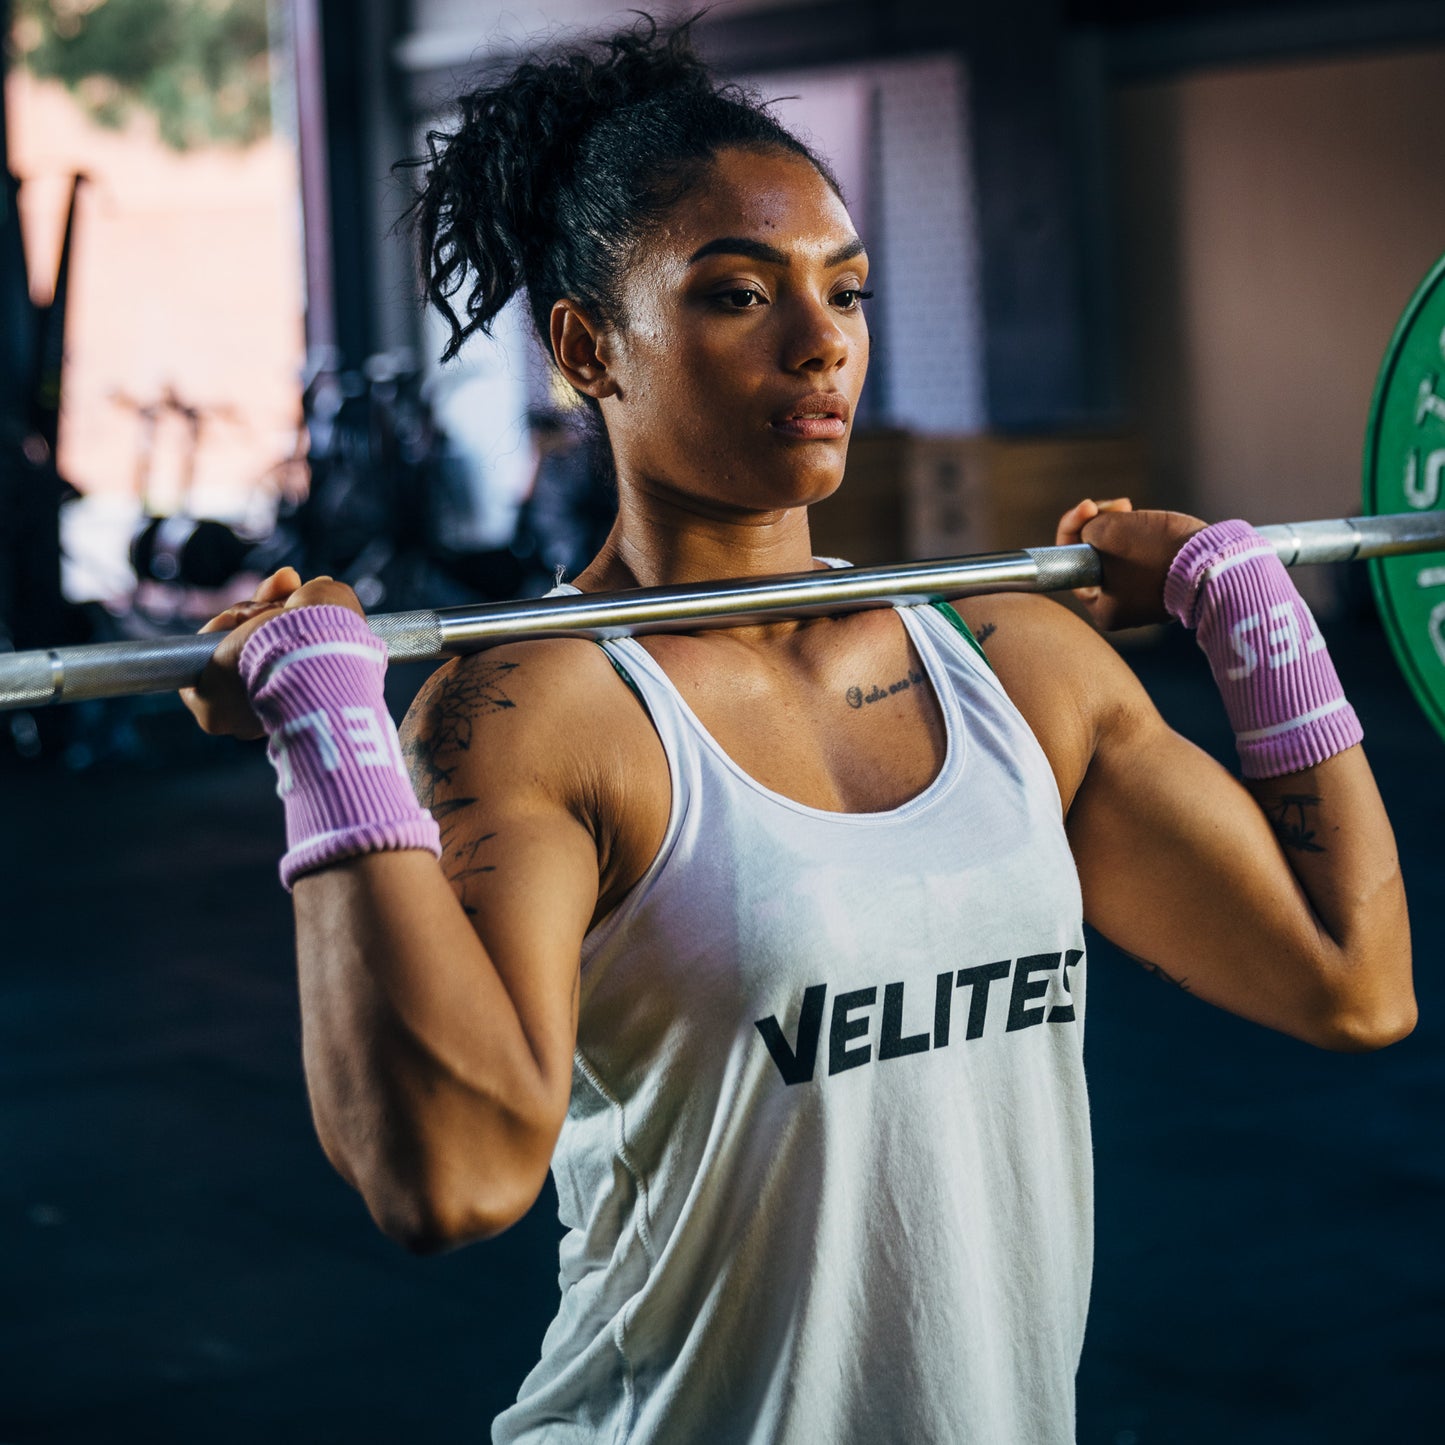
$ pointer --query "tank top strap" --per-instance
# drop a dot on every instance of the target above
(565, 589)
(953, 638)
(652, 687)
(944, 610)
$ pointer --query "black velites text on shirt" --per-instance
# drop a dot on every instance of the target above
(1019, 1004)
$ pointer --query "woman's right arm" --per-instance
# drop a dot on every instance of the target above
(438, 999)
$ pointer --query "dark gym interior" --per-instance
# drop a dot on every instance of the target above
(179, 1263)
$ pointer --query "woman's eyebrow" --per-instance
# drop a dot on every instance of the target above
(761, 251)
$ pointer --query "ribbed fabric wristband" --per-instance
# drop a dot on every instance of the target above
(314, 677)
(1279, 686)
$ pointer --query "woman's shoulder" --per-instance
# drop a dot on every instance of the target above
(1024, 634)
(547, 712)
(544, 673)
(1063, 676)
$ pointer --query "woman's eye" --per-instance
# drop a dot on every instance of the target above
(741, 298)
(850, 300)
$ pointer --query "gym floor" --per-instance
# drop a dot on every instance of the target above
(178, 1263)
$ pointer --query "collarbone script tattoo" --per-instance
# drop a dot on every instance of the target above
(985, 632)
(1289, 816)
(857, 697)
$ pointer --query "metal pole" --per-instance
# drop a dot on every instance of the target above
(309, 77)
(118, 669)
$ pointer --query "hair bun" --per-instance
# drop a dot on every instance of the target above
(554, 171)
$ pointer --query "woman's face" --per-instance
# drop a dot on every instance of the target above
(742, 344)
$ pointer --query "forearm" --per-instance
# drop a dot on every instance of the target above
(1298, 741)
(427, 1093)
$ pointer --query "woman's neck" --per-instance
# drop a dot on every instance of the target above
(659, 539)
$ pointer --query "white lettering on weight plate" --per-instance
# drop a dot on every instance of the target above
(1418, 494)
(1428, 404)
(1437, 630)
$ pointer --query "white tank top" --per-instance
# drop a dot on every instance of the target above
(826, 1170)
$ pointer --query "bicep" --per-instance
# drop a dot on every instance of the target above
(496, 765)
(1280, 901)
(1178, 863)
(1181, 868)
(524, 872)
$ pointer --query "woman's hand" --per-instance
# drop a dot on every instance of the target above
(1137, 549)
(219, 700)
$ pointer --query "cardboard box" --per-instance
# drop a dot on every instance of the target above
(907, 497)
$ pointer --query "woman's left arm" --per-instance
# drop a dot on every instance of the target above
(1278, 899)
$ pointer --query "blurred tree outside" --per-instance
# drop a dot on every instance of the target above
(201, 67)
(186, 277)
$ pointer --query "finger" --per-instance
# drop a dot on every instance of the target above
(238, 613)
(1101, 525)
(1069, 533)
(1072, 522)
(309, 594)
(326, 591)
(278, 586)
(1109, 529)
(223, 621)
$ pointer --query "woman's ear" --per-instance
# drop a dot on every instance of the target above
(579, 348)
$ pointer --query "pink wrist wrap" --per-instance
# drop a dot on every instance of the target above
(1279, 686)
(314, 676)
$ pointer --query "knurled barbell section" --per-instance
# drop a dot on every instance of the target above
(409, 636)
(27, 679)
(159, 665)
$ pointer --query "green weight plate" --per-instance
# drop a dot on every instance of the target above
(1404, 472)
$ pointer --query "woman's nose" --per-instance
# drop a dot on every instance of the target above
(817, 340)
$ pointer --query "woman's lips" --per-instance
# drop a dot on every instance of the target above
(811, 428)
(821, 417)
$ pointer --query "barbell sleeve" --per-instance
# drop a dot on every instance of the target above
(120, 669)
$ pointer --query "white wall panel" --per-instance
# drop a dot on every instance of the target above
(451, 32)
(896, 135)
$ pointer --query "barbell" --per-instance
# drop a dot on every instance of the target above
(117, 669)
(1404, 468)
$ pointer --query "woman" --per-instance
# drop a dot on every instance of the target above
(768, 941)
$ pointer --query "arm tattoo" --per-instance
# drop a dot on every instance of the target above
(439, 730)
(1180, 983)
(1290, 817)
(1148, 967)
(437, 736)
(459, 860)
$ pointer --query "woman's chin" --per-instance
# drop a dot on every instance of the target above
(757, 486)
(808, 480)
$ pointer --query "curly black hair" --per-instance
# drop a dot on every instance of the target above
(556, 172)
